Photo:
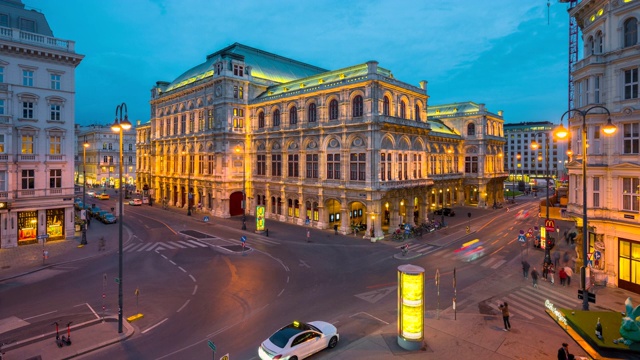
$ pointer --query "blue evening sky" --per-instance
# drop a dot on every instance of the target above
(498, 52)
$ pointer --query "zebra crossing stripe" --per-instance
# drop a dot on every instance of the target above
(559, 298)
(147, 246)
(177, 244)
(521, 308)
(487, 262)
(186, 243)
(497, 265)
(131, 246)
(198, 243)
(168, 245)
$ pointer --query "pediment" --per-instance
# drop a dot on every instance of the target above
(625, 166)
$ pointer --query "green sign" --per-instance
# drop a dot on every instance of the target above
(117, 280)
(212, 345)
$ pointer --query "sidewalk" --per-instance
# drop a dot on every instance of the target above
(470, 335)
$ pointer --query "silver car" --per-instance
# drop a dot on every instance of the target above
(299, 340)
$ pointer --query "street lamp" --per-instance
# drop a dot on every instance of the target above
(561, 133)
(244, 189)
(535, 146)
(119, 126)
(85, 145)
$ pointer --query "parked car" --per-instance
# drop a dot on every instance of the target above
(93, 210)
(445, 212)
(100, 214)
(299, 340)
(103, 196)
(79, 205)
(135, 202)
(109, 219)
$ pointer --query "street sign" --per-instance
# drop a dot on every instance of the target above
(206, 219)
(225, 357)
(212, 345)
(550, 225)
(468, 230)
(522, 238)
(243, 239)
(597, 255)
(44, 236)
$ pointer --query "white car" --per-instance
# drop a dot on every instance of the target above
(298, 341)
(91, 193)
(135, 202)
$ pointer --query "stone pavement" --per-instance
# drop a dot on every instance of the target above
(466, 333)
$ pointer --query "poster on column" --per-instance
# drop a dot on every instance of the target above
(260, 220)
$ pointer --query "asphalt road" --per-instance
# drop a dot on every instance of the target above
(209, 290)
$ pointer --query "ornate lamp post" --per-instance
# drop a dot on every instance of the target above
(238, 149)
(119, 126)
(85, 145)
(561, 133)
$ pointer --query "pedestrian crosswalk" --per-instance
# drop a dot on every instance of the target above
(164, 245)
(492, 262)
(529, 303)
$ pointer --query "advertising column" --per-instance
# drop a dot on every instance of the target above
(410, 307)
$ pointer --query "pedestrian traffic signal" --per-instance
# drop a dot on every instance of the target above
(591, 297)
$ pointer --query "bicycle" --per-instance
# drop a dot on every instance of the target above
(397, 236)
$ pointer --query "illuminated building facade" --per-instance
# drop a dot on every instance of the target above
(607, 75)
(331, 148)
(37, 140)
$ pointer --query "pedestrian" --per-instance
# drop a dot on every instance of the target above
(545, 270)
(569, 272)
(566, 257)
(551, 270)
(566, 239)
(505, 316)
(308, 236)
(556, 258)
(525, 268)
(534, 277)
(563, 276)
(88, 221)
(563, 353)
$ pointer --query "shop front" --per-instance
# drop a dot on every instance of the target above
(28, 225)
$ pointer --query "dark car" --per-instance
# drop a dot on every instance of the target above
(445, 212)
(109, 219)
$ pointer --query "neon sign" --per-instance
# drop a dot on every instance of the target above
(559, 315)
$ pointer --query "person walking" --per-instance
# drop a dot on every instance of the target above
(505, 316)
(556, 258)
(525, 268)
(563, 353)
(551, 272)
(534, 277)
(563, 276)
(569, 272)
(545, 270)
(308, 236)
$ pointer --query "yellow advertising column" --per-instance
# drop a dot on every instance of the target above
(410, 307)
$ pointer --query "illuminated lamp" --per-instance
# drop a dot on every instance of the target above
(410, 307)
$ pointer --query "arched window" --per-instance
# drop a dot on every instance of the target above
(385, 106)
(471, 129)
(357, 106)
(293, 115)
(403, 110)
(333, 110)
(592, 45)
(261, 120)
(599, 43)
(630, 32)
(417, 112)
(276, 117)
(311, 114)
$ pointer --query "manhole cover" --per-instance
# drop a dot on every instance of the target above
(196, 234)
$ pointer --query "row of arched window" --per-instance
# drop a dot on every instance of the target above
(595, 44)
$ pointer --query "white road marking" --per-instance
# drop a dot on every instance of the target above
(50, 312)
(154, 326)
(183, 306)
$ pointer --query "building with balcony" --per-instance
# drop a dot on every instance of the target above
(525, 164)
(103, 156)
(607, 75)
(311, 146)
(37, 140)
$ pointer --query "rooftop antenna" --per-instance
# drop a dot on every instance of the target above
(548, 12)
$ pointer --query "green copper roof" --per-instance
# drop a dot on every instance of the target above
(438, 128)
(454, 109)
(264, 65)
(325, 79)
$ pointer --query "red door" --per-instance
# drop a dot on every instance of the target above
(235, 204)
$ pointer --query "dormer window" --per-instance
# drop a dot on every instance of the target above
(238, 70)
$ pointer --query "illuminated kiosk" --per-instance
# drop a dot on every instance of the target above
(410, 307)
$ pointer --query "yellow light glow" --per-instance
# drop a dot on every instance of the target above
(412, 322)
(412, 287)
(600, 12)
